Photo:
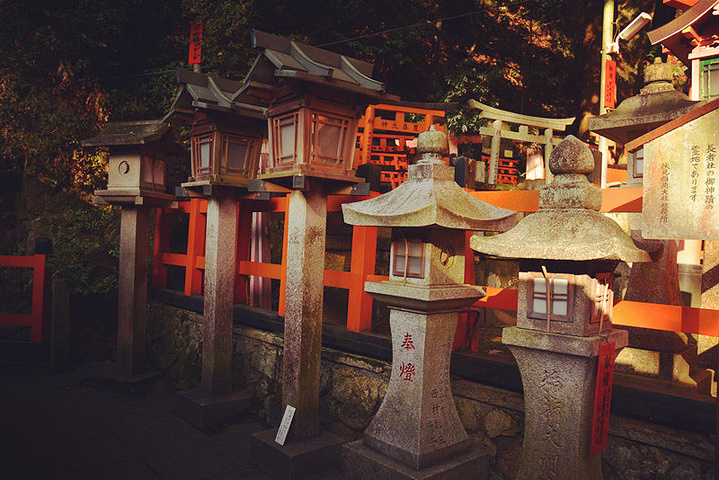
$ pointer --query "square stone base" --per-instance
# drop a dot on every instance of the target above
(360, 462)
(204, 411)
(296, 460)
(114, 372)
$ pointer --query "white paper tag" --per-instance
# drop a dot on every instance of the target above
(285, 425)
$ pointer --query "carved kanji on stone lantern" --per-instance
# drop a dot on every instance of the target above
(429, 214)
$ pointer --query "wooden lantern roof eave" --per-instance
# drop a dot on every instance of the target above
(143, 132)
(281, 58)
(671, 35)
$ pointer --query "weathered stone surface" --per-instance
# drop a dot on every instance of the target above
(499, 422)
(172, 330)
(417, 423)
(429, 197)
(558, 373)
(357, 399)
(625, 460)
(567, 226)
(571, 156)
(218, 294)
(656, 104)
(132, 291)
(469, 414)
(306, 232)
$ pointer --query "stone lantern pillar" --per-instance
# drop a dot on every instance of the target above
(136, 182)
(567, 253)
(667, 277)
(226, 138)
(416, 430)
(314, 100)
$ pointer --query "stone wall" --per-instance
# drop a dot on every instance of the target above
(353, 386)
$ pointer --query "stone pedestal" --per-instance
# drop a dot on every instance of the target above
(132, 293)
(559, 376)
(298, 460)
(214, 401)
(360, 463)
(307, 448)
(417, 425)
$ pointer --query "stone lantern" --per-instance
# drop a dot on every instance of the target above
(670, 273)
(136, 166)
(567, 253)
(417, 425)
(314, 100)
(226, 137)
(136, 182)
(656, 104)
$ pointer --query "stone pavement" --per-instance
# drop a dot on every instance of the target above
(72, 426)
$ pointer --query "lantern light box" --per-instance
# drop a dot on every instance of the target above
(314, 101)
(136, 166)
(226, 135)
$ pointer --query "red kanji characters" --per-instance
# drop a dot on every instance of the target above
(407, 343)
(407, 372)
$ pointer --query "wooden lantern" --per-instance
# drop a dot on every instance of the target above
(224, 153)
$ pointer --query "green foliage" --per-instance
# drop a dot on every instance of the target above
(86, 249)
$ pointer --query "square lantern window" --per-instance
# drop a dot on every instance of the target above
(408, 258)
(561, 291)
(316, 141)
(224, 154)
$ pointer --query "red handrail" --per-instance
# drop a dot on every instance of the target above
(38, 317)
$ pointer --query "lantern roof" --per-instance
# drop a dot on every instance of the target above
(282, 60)
(568, 225)
(656, 104)
(693, 27)
(208, 93)
(429, 198)
(143, 132)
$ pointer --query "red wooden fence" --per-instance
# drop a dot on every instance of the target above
(38, 318)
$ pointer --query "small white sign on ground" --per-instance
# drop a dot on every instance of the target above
(285, 425)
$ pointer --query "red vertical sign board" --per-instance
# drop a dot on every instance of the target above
(602, 398)
(195, 43)
(610, 84)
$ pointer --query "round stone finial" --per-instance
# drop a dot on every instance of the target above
(432, 141)
(571, 156)
(658, 72)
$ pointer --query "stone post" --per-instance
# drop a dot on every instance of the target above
(417, 423)
(219, 292)
(306, 232)
(559, 375)
(215, 401)
(132, 294)
(494, 153)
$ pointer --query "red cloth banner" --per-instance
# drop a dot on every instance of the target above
(602, 398)
(610, 84)
(195, 43)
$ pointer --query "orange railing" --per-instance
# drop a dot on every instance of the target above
(362, 261)
(363, 253)
(38, 317)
